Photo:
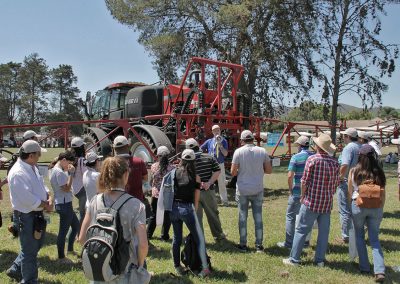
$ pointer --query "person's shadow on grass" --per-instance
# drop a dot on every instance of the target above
(52, 266)
(6, 259)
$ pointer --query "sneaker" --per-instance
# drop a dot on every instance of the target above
(282, 245)
(180, 270)
(380, 278)
(259, 248)
(204, 273)
(242, 248)
(288, 261)
(221, 237)
(14, 275)
(320, 264)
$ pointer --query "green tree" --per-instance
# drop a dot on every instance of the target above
(351, 56)
(358, 115)
(35, 84)
(10, 92)
(388, 112)
(271, 39)
(63, 81)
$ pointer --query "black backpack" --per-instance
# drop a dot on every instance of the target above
(105, 253)
(190, 255)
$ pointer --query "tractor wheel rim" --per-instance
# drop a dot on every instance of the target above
(143, 153)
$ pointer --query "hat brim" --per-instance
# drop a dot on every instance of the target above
(395, 141)
(330, 150)
(3, 159)
(120, 146)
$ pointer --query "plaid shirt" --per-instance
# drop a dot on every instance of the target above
(321, 177)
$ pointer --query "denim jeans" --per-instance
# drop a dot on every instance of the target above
(372, 217)
(344, 209)
(152, 221)
(184, 213)
(67, 219)
(307, 218)
(81, 195)
(291, 212)
(256, 206)
(26, 262)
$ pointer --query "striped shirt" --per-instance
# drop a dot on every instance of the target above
(321, 177)
(296, 165)
(206, 165)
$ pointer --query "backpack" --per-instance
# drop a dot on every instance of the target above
(190, 256)
(105, 254)
(369, 195)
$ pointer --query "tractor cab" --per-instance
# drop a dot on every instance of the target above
(109, 103)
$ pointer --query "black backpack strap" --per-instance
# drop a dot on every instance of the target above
(122, 199)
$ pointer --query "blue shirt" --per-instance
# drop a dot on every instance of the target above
(350, 156)
(296, 165)
(212, 149)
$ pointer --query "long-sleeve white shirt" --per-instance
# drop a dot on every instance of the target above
(27, 188)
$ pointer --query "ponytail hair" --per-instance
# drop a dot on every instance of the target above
(68, 155)
(112, 170)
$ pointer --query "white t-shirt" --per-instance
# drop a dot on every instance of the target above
(59, 178)
(77, 182)
(90, 178)
(250, 159)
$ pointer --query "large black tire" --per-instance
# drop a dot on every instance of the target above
(154, 138)
(93, 136)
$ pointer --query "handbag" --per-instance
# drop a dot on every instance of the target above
(369, 195)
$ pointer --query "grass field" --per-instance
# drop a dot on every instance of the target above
(230, 265)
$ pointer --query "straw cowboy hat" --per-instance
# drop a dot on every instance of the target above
(324, 142)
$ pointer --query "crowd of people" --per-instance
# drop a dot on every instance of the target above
(181, 190)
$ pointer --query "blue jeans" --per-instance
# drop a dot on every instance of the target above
(291, 212)
(26, 262)
(344, 209)
(184, 213)
(307, 218)
(67, 219)
(256, 206)
(372, 217)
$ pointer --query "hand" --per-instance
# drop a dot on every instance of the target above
(154, 192)
(301, 199)
(71, 169)
(49, 205)
(206, 185)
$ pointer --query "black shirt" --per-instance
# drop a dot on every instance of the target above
(185, 186)
(206, 165)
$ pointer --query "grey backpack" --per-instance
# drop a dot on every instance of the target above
(105, 253)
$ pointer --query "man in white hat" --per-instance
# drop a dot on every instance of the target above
(249, 164)
(369, 136)
(348, 160)
(218, 148)
(137, 168)
(208, 170)
(295, 173)
(318, 185)
(29, 198)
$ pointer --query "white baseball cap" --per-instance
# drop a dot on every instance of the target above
(303, 141)
(191, 143)
(77, 142)
(352, 132)
(120, 141)
(216, 126)
(188, 155)
(162, 150)
(3, 159)
(246, 135)
(396, 141)
(29, 134)
(31, 146)
(92, 157)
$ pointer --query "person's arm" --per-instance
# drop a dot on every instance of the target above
(234, 169)
(144, 172)
(290, 180)
(223, 147)
(197, 193)
(84, 227)
(267, 166)
(342, 172)
(350, 187)
(143, 246)
(305, 179)
(204, 146)
(61, 180)
(211, 181)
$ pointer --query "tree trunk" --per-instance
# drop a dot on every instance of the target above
(336, 80)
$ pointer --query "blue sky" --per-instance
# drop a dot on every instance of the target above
(82, 33)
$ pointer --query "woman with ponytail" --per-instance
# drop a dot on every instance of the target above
(158, 171)
(368, 171)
